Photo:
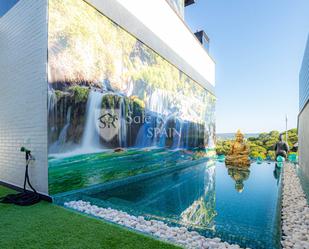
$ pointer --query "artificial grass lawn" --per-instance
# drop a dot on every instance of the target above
(49, 226)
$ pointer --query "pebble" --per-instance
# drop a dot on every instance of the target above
(178, 235)
(295, 211)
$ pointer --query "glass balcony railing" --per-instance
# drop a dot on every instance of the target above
(203, 39)
(179, 5)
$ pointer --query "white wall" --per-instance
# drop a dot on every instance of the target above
(304, 78)
(23, 92)
(303, 141)
(157, 25)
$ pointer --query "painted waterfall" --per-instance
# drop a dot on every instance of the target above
(116, 108)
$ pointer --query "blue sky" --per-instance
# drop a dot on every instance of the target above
(258, 47)
(5, 5)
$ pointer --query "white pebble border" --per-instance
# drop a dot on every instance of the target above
(295, 212)
(177, 235)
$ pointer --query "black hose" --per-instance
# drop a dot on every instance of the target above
(26, 198)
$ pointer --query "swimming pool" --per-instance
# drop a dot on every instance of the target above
(238, 205)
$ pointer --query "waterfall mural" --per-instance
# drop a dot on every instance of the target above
(115, 107)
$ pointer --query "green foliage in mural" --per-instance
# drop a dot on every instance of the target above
(81, 39)
(86, 48)
(80, 93)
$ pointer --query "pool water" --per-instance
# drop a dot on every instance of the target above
(249, 214)
(238, 205)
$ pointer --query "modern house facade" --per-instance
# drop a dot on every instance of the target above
(303, 117)
(83, 82)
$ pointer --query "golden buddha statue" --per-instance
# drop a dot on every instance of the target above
(239, 153)
(239, 175)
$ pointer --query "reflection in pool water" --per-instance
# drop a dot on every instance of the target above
(239, 174)
(237, 205)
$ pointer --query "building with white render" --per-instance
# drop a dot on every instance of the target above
(84, 81)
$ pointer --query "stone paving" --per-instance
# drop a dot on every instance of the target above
(295, 211)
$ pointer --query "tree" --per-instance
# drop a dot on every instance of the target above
(261, 146)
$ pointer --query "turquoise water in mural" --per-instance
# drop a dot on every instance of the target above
(72, 172)
(237, 205)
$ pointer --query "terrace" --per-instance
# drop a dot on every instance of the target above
(123, 132)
